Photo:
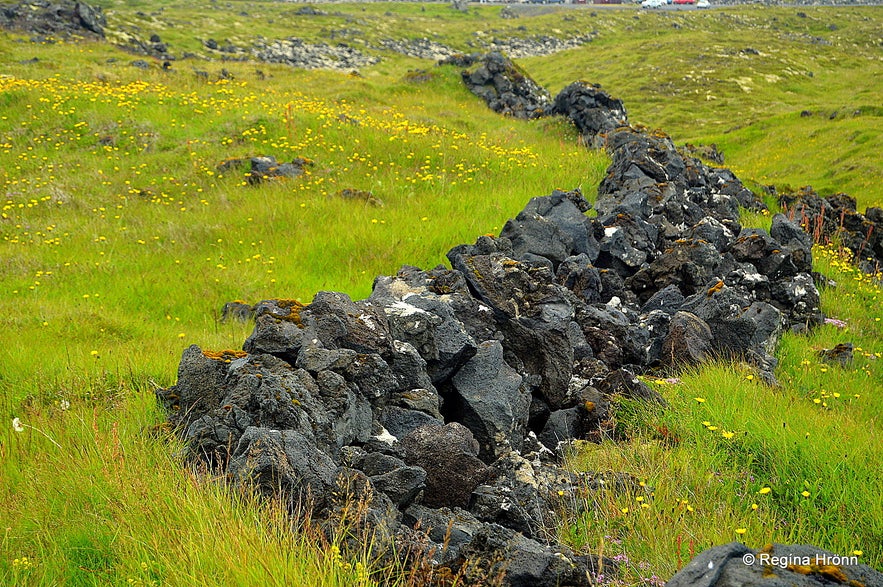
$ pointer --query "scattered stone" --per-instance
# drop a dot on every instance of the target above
(840, 354)
(237, 310)
(309, 11)
(508, 13)
(536, 46)
(460, 5)
(422, 48)
(261, 169)
(358, 195)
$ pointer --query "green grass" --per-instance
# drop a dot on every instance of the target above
(120, 241)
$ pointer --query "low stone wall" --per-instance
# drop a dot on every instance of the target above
(442, 402)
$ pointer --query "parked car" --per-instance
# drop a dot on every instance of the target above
(703, 4)
(652, 3)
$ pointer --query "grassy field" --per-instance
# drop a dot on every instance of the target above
(121, 240)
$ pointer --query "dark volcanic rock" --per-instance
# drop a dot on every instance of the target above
(449, 455)
(489, 398)
(506, 88)
(836, 216)
(592, 110)
(62, 18)
(689, 265)
(285, 459)
(840, 354)
(688, 340)
(239, 311)
(554, 227)
(261, 169)
(448, 393)
(533, 312)
(528, 563)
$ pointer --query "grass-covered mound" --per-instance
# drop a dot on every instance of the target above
(121, 240)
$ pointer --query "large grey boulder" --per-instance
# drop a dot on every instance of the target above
(688, 340)
(488, 398)
(524, 562)
(283, 460)
(776, 565)
(449, 455)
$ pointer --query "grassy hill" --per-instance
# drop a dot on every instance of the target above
(121, 240)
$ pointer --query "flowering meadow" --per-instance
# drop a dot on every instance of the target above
(122, 236)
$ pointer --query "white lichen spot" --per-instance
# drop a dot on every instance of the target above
(403, 309)
(386, 437)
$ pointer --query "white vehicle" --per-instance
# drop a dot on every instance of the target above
(652, 3)
(703, 4)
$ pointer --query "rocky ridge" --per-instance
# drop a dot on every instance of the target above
(297, 53)
(537, 46)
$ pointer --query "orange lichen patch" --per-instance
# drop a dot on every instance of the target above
(715, 288)
(294, 308)
(767, 548)
(225, 355)
(830, 572)
(590, 406)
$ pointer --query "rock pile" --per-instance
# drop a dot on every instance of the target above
(835, 218)
(422, 48)
(592, 111)
(518, 48)
(407, 401)
(297, 53)
(667, 238)
(261, 169)
(503, 85)
(63, 18)
(508, 90)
